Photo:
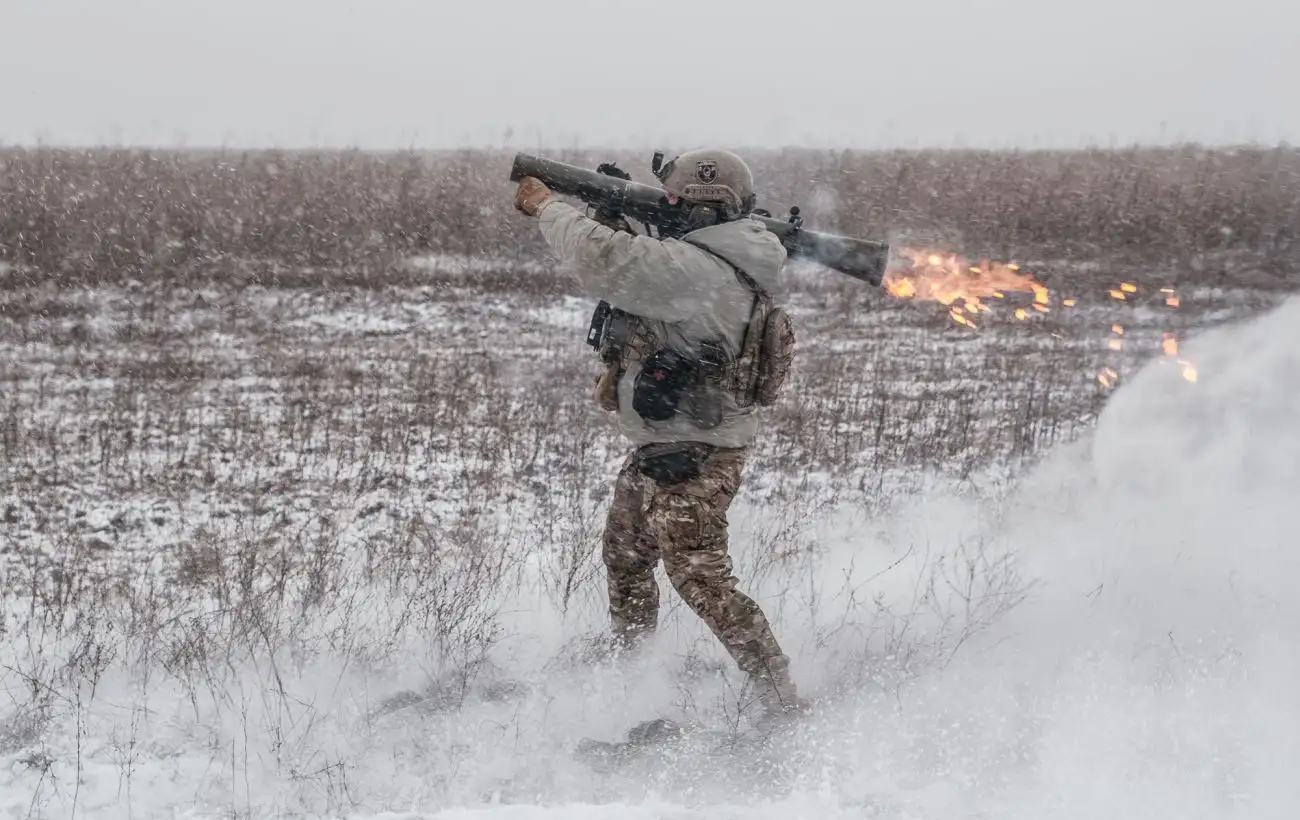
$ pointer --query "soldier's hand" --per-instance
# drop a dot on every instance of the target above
(611, 169)
(532, 195)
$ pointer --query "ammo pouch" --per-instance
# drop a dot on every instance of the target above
(673, 462)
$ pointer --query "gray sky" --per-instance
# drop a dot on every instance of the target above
(433, 73)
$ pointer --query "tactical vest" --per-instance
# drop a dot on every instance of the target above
(671, 379)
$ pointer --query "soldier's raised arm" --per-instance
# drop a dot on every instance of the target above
(667, 280)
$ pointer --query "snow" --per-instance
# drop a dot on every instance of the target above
(459, 265)
(355, 322)
(1150, 671)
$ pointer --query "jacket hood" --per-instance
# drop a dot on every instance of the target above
(746, 244)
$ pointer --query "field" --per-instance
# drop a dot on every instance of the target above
(303, 487)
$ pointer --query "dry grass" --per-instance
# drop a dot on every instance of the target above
(109, 215)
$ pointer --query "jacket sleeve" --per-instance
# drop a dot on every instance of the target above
(659, 279)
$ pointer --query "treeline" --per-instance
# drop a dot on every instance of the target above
(107, 214)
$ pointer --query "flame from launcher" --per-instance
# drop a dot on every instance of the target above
(963, 286)
(950, 279)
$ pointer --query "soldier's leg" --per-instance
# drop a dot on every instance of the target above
(689, 522)
(630, 557)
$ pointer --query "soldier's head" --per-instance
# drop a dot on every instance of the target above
(717, 181)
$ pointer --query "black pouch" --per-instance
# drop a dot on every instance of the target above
(658, 387)
(673, 463)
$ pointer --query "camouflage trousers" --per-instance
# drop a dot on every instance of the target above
(685, 525)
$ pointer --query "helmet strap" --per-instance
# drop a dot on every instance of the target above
(701, 215)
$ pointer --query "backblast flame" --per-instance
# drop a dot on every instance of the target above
(948, 278)
(961, 285)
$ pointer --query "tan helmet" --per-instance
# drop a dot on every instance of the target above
(711, 175)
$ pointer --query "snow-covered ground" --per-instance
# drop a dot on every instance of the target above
(298, 553)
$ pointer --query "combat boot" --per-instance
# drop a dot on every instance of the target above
(602, 650)
(776, 698)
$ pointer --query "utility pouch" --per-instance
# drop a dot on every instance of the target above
(658, 387)
(606, 393)
(673, 462)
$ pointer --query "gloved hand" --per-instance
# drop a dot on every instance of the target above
(532, 195)
(611, 169)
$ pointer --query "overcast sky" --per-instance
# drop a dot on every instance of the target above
(433, 73)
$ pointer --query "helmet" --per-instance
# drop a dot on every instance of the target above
(710, 175)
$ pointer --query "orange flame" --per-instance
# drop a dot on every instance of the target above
(960, 318)
(954, 281)
(1169, 343)
(949, 279)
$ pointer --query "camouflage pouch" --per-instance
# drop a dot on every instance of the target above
(775, 357)
(760, 370)
(606, 393)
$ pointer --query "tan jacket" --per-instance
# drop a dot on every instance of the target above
(683, 287)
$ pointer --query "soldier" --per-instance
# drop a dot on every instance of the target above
(685, 372)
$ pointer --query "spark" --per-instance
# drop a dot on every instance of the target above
(963, 286)
(962, 320)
